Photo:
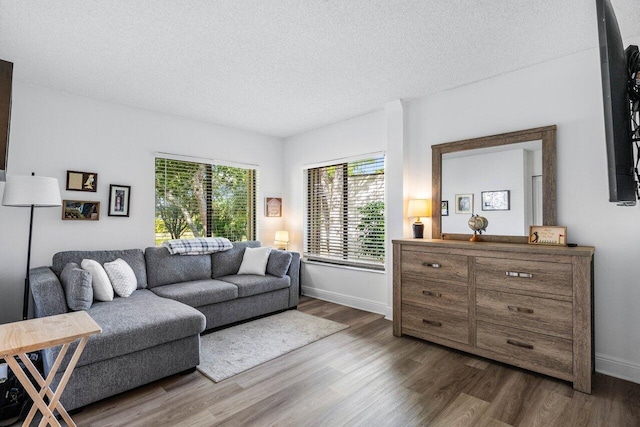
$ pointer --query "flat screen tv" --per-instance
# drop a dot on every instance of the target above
(617, 112)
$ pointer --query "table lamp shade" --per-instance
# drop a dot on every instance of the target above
(282, 236)
(38, 191)
(419, 208)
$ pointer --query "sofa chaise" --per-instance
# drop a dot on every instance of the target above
(155, 332)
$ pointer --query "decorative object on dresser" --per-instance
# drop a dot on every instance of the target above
(478, 224)
(418, 208)
(82, 181)
(32, 192)
(526, 305)
(81, 210)
(547, 235)
(119, 199)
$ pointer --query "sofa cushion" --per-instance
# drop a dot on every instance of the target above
(164, 268)
(121, 276)
(228, 262)
(279, 262)
(102, 289)
(77, 286)
(254, 261)
(251, 284)
(131, 324)
(198, 292)
(133, 257)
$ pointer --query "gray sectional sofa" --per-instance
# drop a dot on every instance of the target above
(155, 332)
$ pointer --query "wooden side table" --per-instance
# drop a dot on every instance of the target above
(19, 338)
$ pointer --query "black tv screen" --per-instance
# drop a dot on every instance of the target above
(617, 113)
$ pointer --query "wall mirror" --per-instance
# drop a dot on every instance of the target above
(508, 178)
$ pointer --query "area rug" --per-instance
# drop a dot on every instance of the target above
(230, 351)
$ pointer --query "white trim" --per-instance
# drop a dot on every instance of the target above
(195, 159)
(344, 160)
(345, 267)
(349, 301)
(618, 368)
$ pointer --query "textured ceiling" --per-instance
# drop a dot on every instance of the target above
(281, 67)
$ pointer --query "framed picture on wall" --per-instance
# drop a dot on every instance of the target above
(80, 210)
(82, 181)
(444, 208)
(464, 203)
(273, 207)
(119, 199)
(496, 200)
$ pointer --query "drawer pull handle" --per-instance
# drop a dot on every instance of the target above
(432, 294)
(519, 344)
(518, 274)
(431, 264)
(432, 323)
(520, 309)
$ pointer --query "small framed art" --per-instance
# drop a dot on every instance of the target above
(273, 207)
(80, 210)
(464, 203)
(82, 181)
(444, 208)
(547, 235)
(119, 199)
(496, 200)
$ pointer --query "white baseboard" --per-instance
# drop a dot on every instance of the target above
(618, 368)
(349, 301)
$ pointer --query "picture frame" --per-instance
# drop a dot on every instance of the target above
(82, 181)
(464, 203)
(119, 200)
(496, 200)
(547, 235)
(80, 210)
(273, 207)
(444, 208)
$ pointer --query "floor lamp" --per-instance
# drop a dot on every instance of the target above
(31, 192)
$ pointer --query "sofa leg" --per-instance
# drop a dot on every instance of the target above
(188, 371)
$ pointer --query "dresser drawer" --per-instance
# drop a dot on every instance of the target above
(443, 296)
(538, 349)
(435, 265)
(534, 314)
(526, 276)
(450, 326)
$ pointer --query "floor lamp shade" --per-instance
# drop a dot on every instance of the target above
(30, 191)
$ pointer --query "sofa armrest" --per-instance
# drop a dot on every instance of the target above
(47, 292)
(294, 274)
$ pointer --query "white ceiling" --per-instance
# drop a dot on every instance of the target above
(281, 67)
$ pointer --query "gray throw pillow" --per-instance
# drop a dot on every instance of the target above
(76, 283)
(279, 262)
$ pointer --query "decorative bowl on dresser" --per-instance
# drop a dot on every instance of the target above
(526, 305)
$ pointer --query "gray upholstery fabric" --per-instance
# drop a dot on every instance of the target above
(279, 262)
(133, 257)
(48, 295)
(164, 268)
(294, 273)
(228, 262)
(140, 321)
(77, 286)
(252, 284)
(199, 292)
(90, 383)
(239, 309)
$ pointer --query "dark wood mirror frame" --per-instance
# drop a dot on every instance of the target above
(546, 134)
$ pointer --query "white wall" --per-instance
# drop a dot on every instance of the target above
(52, 132)
(565, 92)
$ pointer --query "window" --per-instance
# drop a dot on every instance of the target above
(204, 200)
(345, 213)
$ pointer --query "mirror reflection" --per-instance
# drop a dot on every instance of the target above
(502, 184)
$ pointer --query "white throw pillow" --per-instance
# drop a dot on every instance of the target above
(122, 277)
(102, 289)
(255, 261)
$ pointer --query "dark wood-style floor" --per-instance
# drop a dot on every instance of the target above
(365, 376)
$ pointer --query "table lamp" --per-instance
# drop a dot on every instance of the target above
(282, 239)
(419, 208)
(34, 192)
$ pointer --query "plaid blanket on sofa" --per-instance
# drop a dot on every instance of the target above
(198, 246)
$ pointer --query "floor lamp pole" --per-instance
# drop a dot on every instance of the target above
(25, 301)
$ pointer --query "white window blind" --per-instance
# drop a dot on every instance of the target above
(204, 200)
(345, 213)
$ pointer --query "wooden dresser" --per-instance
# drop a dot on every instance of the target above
(526, 305)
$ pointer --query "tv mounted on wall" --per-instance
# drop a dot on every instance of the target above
(617, 111)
